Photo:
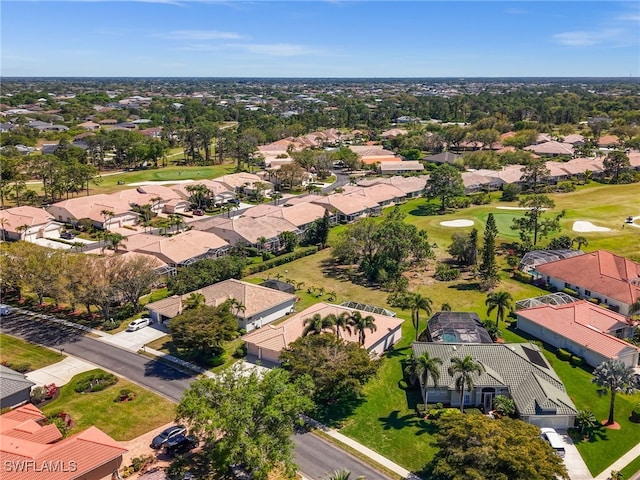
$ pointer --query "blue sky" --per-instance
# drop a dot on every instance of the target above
(210, 38)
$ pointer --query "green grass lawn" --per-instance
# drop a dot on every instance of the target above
(165, 345)
(15, 351)
(120, 420)
(631, 468)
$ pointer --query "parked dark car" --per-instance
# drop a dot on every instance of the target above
(198, 212)
(234, 201)
(166, 435)
(67, 235)
(180, 444)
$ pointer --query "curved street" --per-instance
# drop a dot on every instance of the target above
(314, 456)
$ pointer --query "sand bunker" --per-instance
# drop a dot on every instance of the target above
(457, 223)
(581, 226)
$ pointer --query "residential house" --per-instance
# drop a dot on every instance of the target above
(517, 370)
(245, 182)
(348, 208)
(89, 125)
(372, 154)
(15, 388)
(396, 168)
(221, 192)
(301, 215)
(412, 187)
(394, 132)
(609, 142)
(381, 193)
(267, 343)
(584, 329)
(104, 211)
(178, 250)
(260, 305)
(261, 232)
(574, 139)
(28, 223)
(24, 440)
(444, 157)
(474, 182)
(551, 149)
(611, 279)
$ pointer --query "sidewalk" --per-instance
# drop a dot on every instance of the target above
(376, 457)
(60, 373)
(622, 462)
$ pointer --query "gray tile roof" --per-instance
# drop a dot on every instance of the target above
(12, 382)
(535, 387)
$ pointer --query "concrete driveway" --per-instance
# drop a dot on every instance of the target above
(60, 373)
(134, 341)
(573, 460)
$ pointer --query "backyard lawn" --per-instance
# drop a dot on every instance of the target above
(18, 352)
(120, 420)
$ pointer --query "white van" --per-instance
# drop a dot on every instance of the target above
(552, 438)
(5, 310)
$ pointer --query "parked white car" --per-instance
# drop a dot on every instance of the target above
(138, 324)
(553, 439)
(5, 309)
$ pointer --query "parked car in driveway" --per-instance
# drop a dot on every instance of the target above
(67, 235)
(5, 309)
(138, 324)
(166, 435)
(552, 438)
(180, 444)
(198, 212)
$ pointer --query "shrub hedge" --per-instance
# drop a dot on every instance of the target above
(281, 260)
(563, 354)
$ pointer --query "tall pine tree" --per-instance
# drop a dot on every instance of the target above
(488, 267)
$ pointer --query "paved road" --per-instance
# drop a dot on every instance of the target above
(314, 456)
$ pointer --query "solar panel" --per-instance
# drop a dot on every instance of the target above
(535, 357)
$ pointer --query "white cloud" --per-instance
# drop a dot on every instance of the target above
(587, 38)
(201, 35)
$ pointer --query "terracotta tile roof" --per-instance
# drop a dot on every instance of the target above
(216, 187)
(608, 140)
(583, 323)
(278, 337)
(181, 247)
(573, 138)
(601, 272)
(25, 215)
(401, 165)
(74, 457)
(406, 184)
(298, 215)
(255, 298)
(90, 207)
(249, 229)
(551, 148)
(346, 204)
(378, 193)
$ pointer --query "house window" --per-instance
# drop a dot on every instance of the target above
(587, 293)
(467, 398)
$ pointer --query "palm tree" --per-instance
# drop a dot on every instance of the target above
(634, 308)
(416, 303)
(115, 239)
(3, 223)
(422, 368)
(360, 324)
(445, 307)
(463, 369)
(501, 303)
(316, 325)
(21, 229)
(340, 322)
(237, 306)
(107, 214)
(341, 475)
(193, 301)
(618, 378)
(332, 295)
(299, 285)
(581, 241)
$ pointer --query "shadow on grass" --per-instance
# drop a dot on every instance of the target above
(397, 422)
(333, 415)
(465, 287)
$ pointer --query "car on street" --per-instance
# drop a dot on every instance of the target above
(5, 309)
(166, 435)
(138, 324)
(552, 438)
(180, 444)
